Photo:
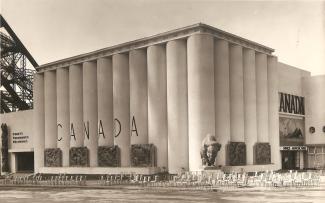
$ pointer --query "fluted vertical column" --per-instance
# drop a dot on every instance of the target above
(201, 105)
(157, 102)
(63, 117)
(105, 101)
(250, 103)
(261, 98)
(138, 96)
(177, 106)
(121, 103)
(222, 97)
(236, 94)
(273, 113)
(90, 114)
(50, 109)
(76, 106)
(39, 121)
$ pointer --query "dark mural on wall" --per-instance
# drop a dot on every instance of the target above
(262, 153)
(143, 155)
(79, 156)
(4, 148)
(53, 157)
(236, 153)
(291, 131)
(109, 156)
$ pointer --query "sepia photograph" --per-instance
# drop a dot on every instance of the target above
(162, 101)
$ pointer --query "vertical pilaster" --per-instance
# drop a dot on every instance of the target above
(222, 97)
(138, 96)
(121, 103)
(261, 98)
(177, 106)
(273, 113)
(76, 106)
(314, 95)
(250, 103)
(63, 116)
(39, 121)
(90, 114)
(201, 105)
(236, 94)
(157, 102)
(50, 109)
(105, 101)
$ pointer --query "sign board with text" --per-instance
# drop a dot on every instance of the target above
(291, 104)
(294, 148)
(19, 137)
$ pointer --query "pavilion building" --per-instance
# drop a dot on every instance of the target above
(146, 106)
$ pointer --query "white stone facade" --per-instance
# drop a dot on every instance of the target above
(175, 88)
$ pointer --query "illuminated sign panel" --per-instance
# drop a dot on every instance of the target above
(291, 104)
(294, 148)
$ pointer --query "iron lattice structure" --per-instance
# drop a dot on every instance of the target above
(16, 78)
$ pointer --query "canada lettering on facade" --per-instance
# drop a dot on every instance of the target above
(134, 127)
(291, 104)
(101, 129)
(118, 123)
(86, 128)
(101, 132)
(59, 125)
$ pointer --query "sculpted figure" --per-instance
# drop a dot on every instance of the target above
(209, 150)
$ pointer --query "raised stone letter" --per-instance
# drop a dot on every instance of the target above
(101, 129)
(293, 104)
(120, 127)
(87, 129)
(134, 127)
(282, 106)
(59, 125)
(72, 134)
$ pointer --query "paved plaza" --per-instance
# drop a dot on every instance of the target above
(50, 195)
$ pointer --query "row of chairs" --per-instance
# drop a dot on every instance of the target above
(184, 179)
(119, 179)
(17, 180)
(60, 179)
(287, 179)
(63, 179)
(243, 179)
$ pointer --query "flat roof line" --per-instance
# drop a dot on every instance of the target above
(157, 39)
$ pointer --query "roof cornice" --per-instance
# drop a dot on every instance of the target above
(161, 38)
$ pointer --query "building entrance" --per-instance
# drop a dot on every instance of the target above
(289, 160)
(25, 161)
(292, 160)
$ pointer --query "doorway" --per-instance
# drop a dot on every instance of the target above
(289, 160)
(25, 161)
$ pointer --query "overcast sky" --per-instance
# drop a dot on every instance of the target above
(57, 29)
